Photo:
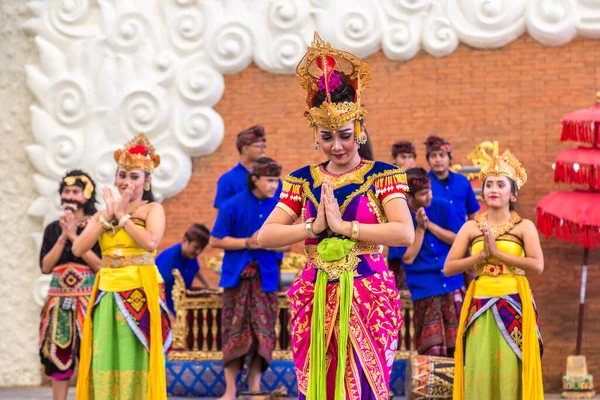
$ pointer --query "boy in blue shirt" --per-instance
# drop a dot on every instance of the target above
(437, 299)
(449, 185)
(183, 257)
(249, 276)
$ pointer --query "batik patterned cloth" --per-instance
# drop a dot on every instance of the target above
(62, 318)
(127, 331)
(436, 323)
(248, 321)
(375, 311)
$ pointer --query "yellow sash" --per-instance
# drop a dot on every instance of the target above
(116, 280)
(531, 372)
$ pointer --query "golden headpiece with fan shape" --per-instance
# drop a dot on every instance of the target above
(320, 69)
(505, 165)
(138, 153)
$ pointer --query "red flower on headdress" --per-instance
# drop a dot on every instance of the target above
(139, 149)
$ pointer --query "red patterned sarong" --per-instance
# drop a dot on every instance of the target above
(436, 323)
(248, 320)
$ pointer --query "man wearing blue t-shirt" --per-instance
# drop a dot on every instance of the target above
(249, 277)
(446, 184)
(437, 299)
(184, 258)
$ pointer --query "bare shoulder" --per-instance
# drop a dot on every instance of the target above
(471, 229)
(145, 209)
(526, 225)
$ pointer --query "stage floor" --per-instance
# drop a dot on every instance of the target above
(46, 394)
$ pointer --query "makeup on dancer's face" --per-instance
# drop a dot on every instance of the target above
(72, 198)
(134, 177)
(497, 190)
(338, 145)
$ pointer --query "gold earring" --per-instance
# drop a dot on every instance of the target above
(316, 138)
(146, 186)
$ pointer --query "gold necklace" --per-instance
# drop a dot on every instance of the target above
(498, 230)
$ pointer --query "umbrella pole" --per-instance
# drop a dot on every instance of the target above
(582, 300)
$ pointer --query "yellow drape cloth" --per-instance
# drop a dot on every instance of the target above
(487, 286)
(117, 280)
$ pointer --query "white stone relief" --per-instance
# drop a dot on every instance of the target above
(111, 68)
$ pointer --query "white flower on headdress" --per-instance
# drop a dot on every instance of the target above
(391, 352)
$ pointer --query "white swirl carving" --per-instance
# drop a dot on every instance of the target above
(129, 31)
(69, 102)
(231, 47)
(187, 30)
(487, 23)
(41, 288)
(400, 9)
(173, 174)
(202, 85)
(589, 12)
(286, 15)
(552, 21)
(287, 51)
(201, 131)
(439, 38)
(142, 111)
(401, 40)
(67, 17)
(359, 30)
(185, 3)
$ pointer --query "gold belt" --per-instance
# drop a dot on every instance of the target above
(496, 269)
(334, 269)
(125, 261)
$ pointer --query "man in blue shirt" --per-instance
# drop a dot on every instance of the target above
(249, 276)
(437, 299)
(183, 257)
(449, 185)
(251, 144)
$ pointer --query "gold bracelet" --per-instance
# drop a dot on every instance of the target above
(105, 224)
(124, 220)
(355, 231)
(309, 230)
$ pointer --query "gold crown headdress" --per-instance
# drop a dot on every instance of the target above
(89, 186)
(505, 165)
(138, 153)
(316, 72)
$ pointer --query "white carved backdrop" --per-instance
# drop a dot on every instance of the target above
(111, 68)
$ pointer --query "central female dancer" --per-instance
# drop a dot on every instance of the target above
(345, 308)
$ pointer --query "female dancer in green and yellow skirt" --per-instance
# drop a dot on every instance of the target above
(499, 356)
(126, 331)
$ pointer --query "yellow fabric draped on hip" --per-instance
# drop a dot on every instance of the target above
(502, 285)
(121, 279)
(125, 278)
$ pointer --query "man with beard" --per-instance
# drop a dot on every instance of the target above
(249, 277)
(437, 299)
(72, 281)
(449, 185)
(251, 144)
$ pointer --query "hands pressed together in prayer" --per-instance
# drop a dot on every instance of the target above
(115, 209)
(422, 219)
(489, 244)
(329, 214)
(68, 226)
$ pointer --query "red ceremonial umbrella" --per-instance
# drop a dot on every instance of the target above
(575, 216)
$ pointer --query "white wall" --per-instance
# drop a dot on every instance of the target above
(19, 314)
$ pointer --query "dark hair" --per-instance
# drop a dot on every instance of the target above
(514, 190)
(89, 208)
(345, 92)
(148, 195)
(197, 233)
(249, 182)
(416, 173)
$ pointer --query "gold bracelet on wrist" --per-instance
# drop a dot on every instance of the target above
(309, 230)
(105, 224)
(355, 231)
(124, 220)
